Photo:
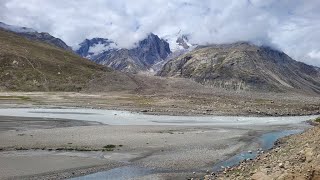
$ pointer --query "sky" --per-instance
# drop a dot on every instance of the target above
(292, 26)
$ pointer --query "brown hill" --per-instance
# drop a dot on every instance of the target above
(27, 65)
(243, 66)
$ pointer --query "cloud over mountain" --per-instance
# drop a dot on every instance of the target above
(292, 26)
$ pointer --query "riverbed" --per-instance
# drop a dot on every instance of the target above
(146, 146)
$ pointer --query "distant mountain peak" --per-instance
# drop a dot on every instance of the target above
(142, 57)
(178, 41)
(95, 46)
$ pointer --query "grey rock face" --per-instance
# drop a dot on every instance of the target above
(46, 37)
(142, 57)
(182, 41)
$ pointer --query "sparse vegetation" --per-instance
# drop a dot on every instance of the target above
(317, 120)
(25, 98)
(76, 149)
(109, 146)
(109, 149)
(27, 65)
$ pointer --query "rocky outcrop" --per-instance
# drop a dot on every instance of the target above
(243, 66)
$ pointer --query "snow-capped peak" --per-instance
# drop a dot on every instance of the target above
(178, 41)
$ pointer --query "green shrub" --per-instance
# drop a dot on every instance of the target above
(109, 146)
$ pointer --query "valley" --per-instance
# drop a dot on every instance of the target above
(163, 108)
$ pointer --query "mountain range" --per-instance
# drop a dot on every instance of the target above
(236, 66)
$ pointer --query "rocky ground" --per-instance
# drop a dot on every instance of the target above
(293, 157)
(173, 97)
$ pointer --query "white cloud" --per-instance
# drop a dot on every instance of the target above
(99, 48)
(314, 54)
(290, 25)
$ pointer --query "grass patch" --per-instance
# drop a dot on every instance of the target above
(108, 150)
(24, 98)
(317, 120)
(21, 149)
(109, 146)
(76, 149)
(263, 101)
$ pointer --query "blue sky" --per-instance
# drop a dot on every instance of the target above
(292, 26)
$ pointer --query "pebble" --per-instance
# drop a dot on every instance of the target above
(281, 165)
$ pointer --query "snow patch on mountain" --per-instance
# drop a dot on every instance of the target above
(95, 46)
(178, 41)
(99, 48)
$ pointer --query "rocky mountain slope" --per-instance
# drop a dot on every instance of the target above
(179, 45)
(243, 66)
(147, 52)
(34, 35)
(27, 65)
